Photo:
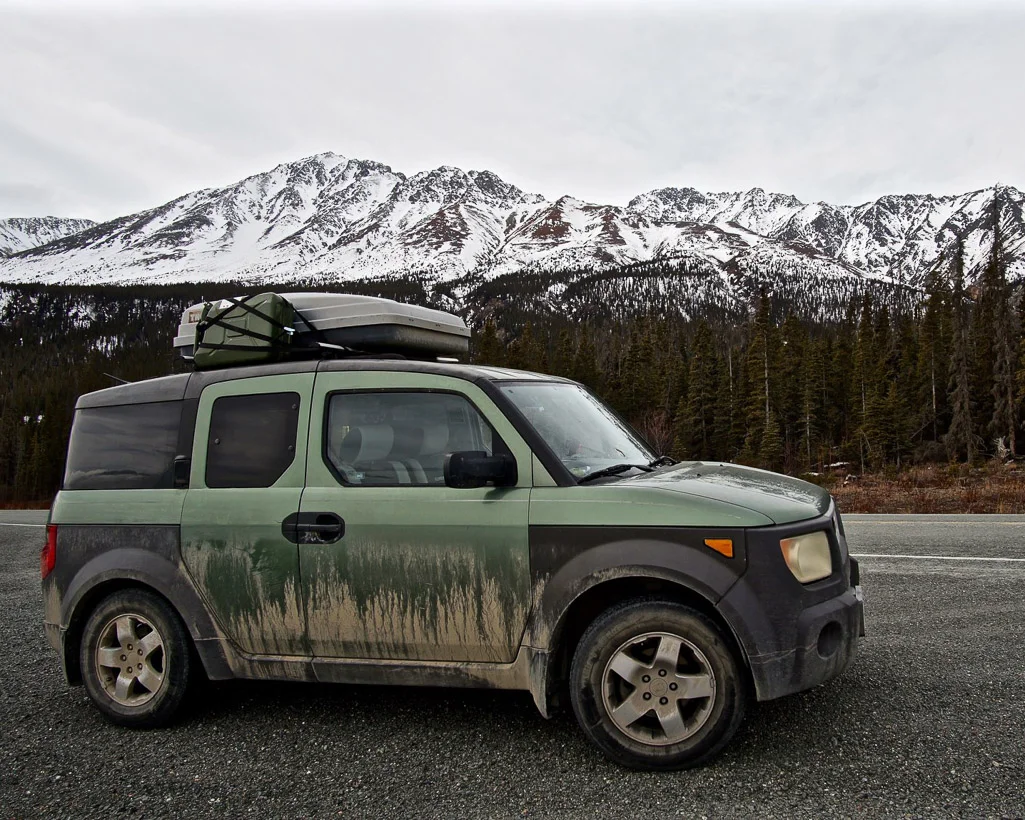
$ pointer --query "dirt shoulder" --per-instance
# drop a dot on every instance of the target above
(957, 489)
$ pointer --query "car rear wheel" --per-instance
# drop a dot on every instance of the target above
(655, 685)
(135, 659)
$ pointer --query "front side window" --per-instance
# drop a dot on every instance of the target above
(252, 439)
(582, 432)
(128, 447)
(399, 438)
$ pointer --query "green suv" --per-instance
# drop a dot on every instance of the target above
(390, 521)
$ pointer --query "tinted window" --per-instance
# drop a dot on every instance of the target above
(252, 439)
(393, 439)
(129, 447)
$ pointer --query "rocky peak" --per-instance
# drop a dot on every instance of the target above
(22, 233)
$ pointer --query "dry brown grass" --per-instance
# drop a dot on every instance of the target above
(25, 505)
(935, 489)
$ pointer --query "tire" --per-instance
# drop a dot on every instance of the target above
(656, 686)
(135, 659)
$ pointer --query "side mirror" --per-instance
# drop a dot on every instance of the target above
(475, 468)
(182, 471)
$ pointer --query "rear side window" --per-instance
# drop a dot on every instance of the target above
(252, 439)
(128, 447)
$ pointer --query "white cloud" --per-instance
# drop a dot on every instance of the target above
(108, 108)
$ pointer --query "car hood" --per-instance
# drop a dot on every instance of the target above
(778, 497)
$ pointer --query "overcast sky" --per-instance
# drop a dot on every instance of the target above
(110, 107)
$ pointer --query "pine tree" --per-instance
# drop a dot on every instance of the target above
(725, 413)
(760, 367)
(841, 424)
(1019, 374)
(683, 435)
(525, 352)
(788, 400)
(739, 431)
(985, 315)
(813, 400)
(489, 348)
(901, 381)
(865, 360)
(1003, 423)
(878, 372)
(702, 400)
(562, 358)
(639, 389)
(585, 364)
(934, 353)
(960, 439)
(770, 454)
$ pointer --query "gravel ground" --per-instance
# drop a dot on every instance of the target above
(930, 721)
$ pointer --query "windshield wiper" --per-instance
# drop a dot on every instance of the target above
(615, 469)
(663, 461)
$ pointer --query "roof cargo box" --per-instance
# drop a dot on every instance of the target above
(333, 321)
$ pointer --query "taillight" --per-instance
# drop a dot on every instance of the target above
(49, 555)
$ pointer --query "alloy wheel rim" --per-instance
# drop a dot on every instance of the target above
(658, 688)
(130, 659)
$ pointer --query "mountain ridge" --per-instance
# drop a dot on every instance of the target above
(328, 218)
(22, 233)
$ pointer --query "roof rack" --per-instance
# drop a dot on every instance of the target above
(272, 326)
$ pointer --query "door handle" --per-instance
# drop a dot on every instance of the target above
(313, 528)
(325, 529)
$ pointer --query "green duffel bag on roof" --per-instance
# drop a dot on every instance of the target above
(244, 331)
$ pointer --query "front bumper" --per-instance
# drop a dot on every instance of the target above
(795, 636)
(827, 641)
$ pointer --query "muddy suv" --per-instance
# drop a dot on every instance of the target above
(381, 521)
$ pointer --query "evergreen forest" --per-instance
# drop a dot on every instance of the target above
(878, 384)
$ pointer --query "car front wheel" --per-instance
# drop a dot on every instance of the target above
(655, 685)
(135, 660)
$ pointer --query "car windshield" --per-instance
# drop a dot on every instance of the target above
(580, 430)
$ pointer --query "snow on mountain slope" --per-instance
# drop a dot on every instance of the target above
(330, 218)
(19, 234)
(898, 237)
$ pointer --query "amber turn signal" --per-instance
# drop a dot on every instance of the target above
(723, 546)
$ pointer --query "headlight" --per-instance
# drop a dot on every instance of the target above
(808, 556)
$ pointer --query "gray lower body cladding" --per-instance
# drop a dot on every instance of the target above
(792, 636)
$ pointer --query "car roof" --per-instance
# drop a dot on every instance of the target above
(186, 385)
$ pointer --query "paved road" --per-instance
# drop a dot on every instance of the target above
(930, 722)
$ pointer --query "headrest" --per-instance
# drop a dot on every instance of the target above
(435, 439)
(371, 442)
(408, 442)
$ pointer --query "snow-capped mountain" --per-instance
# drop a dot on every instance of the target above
(898, 237)
(20, 234)
(328, 218)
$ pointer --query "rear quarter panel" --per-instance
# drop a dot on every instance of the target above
(112, 538)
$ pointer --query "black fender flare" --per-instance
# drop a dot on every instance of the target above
(702, 574)
(134, 566)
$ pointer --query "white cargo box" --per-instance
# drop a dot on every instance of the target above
(362, 324)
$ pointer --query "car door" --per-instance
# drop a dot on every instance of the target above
(397, 564)
(246, 481)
